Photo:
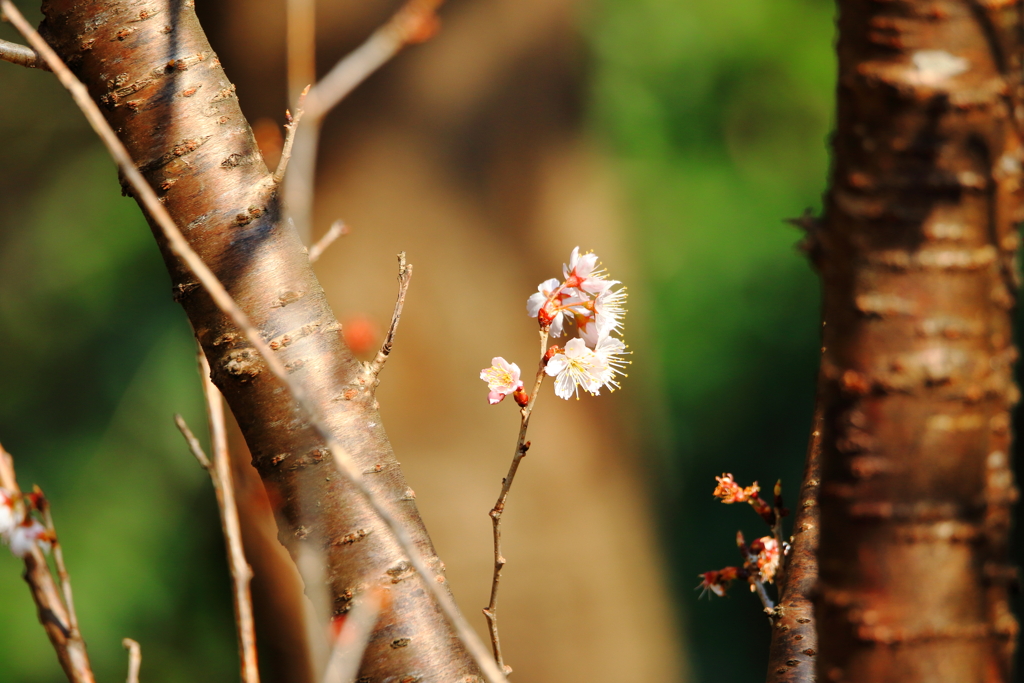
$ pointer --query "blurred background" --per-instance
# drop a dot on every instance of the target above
(672, 138)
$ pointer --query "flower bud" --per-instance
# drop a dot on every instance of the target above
(521, 397)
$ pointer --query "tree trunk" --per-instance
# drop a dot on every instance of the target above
(151, 67)
(917, 256)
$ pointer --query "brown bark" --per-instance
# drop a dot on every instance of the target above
(166, 94)
(917, 255)
(794, 647)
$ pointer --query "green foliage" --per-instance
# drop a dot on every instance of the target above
(718, 114)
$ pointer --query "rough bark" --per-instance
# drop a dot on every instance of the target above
(794, 647)
(917, 255)
(150, 65)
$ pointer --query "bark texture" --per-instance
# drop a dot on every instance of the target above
(150, 65)
(917, 255)
(794, 647)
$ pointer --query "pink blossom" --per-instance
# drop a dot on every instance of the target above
(502, 379)
(582, 272)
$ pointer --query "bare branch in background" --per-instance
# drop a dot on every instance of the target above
(404, 275)
(338, 229)
(355, 633)
(289, 139)
(134, 659)
(415, 22)
(54, 615)
(22, 55)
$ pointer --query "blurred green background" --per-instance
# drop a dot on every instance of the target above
(716, 116)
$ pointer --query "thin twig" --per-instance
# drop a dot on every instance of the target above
(223, 485)
(414, 22)
(522, 445)
(338, 229)
(134, 659)
(22, 55)
(180, 247)
(404, 275)
(289, 138)
(354, 637)
(58, 560)
(52, 613)
(194, 446)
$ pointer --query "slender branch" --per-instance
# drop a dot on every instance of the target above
(22, 55)
(289, 139)
(180, 247)
(52, 613)
(404, 275)
(134, 659)
(193, 445)
(355, 635)
(62, 570)
(414, 22)
(522, 445)
(337, 229)
(223, 484)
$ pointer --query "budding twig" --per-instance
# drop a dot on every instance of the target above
(58, 560)
(289, 138)
(53, 613)
(337, 229)
(181, 249)
(522, 445)
(404, 275)
(355, 634)
(134, 659)
(22, 55)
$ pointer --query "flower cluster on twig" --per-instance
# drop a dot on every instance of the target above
(764, 557)
(19, 527)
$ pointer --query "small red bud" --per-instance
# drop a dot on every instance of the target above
(550, 353)
(521, 397)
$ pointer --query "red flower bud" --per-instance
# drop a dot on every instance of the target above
(521, 397)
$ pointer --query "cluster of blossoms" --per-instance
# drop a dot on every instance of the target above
(18, 528)
(586, 297)
(762, 557)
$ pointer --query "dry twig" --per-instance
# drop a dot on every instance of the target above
(22, 55)
(134, 659)
(338, 229)
(404, 275)
(180, 247)
(522, 445)
(289, 139)
(55, 617)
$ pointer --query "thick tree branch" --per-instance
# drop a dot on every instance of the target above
(209, 145)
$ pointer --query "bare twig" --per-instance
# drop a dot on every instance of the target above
(134, 659)
(194, 446)
(354, 636)
(289, 139)
(58, 560)
(223, 484)
(22, 55)
(414, 22)
(53, 614)
(338, 229)
(522, 445)
(404, 275)
(180, 247)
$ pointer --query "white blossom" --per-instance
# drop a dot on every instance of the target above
(576, 366)
(543, 300)
(25, 535)
(8, 517)
(610, 351)
(502, 379)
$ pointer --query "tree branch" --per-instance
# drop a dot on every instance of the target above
(134, 659)
(522, 445)
(404, 275)
(22, 55)
(240, 366)
(337, 229)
